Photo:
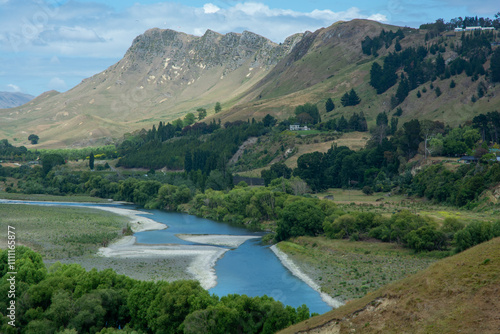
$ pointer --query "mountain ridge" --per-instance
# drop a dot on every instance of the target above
(14, 99)
(166, 74)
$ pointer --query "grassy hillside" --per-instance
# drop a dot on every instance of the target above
(456, 295)
(166, 74)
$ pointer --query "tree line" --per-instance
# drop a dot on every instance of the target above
(69, 299)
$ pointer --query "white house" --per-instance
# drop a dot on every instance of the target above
(297, 127)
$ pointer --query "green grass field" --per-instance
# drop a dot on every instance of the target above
(60, 232)
(350, 270)
(51, 198)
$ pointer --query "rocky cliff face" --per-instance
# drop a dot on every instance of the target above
(163, 75)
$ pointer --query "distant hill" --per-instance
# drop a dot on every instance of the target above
(456, 295)
(166, 74)
(10, 100)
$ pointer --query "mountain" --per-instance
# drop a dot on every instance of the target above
(166, 74)
(10, 100)
(456, 295)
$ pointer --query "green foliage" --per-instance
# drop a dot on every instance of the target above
(309, 109)
(269, 121)
(70, 300)
(276, 171)
(217, 107)
(298, 218)
(350, 99)
(329, 105)
(91, 161)
(370, 46)
(476, 233)
(495, 66)
(51, 160)
(33, 139)
(202, 113)
(189, 119)
(367, 190)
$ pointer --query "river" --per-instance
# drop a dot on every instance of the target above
(251, 269)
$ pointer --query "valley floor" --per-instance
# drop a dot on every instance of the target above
(347, 270)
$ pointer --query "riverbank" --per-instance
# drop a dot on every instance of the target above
(232, 241)
(290, 265)
(349, 270)
(198, 261)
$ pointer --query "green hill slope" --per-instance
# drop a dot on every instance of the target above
(459, 294)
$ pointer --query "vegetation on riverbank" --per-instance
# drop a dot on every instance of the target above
(61, 232)
(68, 299)
(350, 269)
(456, 294)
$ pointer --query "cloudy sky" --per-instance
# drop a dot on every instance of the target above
(54, 44)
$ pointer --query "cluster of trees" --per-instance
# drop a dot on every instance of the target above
(186, 150)
(67, 298)
(307, 114)
(474, 50)
(11, 152)
(370, 46)
(488, 125)
(460, 187)
(410, 230)
(350, 99)
(357, 122)
(342, 167)
(458, 22)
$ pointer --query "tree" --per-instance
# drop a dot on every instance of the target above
(329, 105)
(202, 113)
(33, 139)
(345, 100)
(311, 110)
(495, 66)
(269, 121)
(189, 119)
(51, 160)
(367, 190)
(350, 99)
(353, 98)
(91, 161)
(217, 107)
(300, 218)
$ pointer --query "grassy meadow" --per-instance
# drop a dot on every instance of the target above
(61, 232)
(351, 269)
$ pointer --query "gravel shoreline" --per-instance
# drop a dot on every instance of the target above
(290, 265)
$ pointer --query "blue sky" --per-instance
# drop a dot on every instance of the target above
(54, 44)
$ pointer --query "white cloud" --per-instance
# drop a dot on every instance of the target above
(89, 30)
(14, 88)
(57, 84)
(210, 8)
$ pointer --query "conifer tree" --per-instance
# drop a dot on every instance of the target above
(329, 105)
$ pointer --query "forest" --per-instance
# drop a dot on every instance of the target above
(68, 299)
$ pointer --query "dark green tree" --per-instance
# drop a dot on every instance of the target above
(311, 110)
(300, 218)
(495, 66)
(217, 107)
(91, 161)
(269, 121)
(33, 139)
(329, 105)
(202, 113)
(51, 160)
(353, 98)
